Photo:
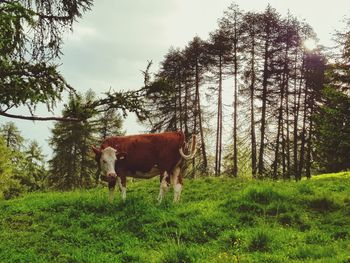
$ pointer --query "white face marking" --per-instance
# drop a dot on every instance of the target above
(107, 161)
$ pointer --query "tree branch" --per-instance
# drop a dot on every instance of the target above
(37, 118)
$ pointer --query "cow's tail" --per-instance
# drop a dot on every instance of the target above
(193, 149)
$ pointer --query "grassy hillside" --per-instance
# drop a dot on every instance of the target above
(218, 220)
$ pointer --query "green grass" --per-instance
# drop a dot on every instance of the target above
(218, 220)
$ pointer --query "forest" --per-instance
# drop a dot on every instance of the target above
(262, 103)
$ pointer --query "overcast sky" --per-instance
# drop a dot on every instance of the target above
(111, 44)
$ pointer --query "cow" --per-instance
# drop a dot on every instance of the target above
(144, 156)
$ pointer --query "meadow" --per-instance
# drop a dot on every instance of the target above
(217, 220)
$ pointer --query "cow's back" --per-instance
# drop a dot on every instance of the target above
(143, 152)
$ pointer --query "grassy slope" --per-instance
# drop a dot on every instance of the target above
(218, 220)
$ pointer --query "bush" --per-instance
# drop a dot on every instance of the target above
(262, 195)
(260, 241)
(322, 204)
(179, 254)
(305, 189)
(316, 237)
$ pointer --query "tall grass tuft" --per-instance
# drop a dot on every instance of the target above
(322, 204)
(262, 195)
(259, 241)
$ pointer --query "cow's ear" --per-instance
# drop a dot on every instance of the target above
(121, 155)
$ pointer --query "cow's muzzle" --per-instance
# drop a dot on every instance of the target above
(111, 177)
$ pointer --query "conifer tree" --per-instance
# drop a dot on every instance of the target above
(221, 56)
(72, 166)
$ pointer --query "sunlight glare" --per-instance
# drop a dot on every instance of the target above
(310, 44)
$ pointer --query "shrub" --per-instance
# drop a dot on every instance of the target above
(260, 241)
(285, 219)
(276, 208)
(179, 254)
(231, 240)
(305, 189)
(322, 204)
(248, 207)
(313, 252)
(316, 238)
(262, 195)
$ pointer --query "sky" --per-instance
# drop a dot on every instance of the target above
(112, 43)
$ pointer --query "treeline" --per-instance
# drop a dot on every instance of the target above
(277, 87)
(24, 167)
(22, 163)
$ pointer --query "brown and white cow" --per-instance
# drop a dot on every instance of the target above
(144, 156)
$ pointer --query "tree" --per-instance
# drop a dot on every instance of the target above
(197, 61)
(25, 165)
(332, 132)
(269, 36)
(34, 170)
(12, 136)
(8, 183)
(221, 56)
(232, 24)
(28, 74)
(109, 124)
(71, 166)
(28, 61)
(331, 139)
(250, 49)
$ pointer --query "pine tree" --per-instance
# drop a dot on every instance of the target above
(331, 141)
(197, 61)
(109, 123)
(72, 166)
(8, 183)
(251, 30)
(12, 136)
(232, 24)
(36, 172)
(220, 51)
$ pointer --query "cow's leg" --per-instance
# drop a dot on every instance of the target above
(122, 186)
(177, 183)
(111, 186)
(164, 182)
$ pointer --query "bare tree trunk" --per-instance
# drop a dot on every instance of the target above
(186, 111)
(261, 168)
(279, 128)
(219, 124)
(252, 109)
(180, 105)
(203, 150)
(196, 98)
(303, 134)
(235, 150)
(287, 130)
(309, 147)
(296, 109)
(175, 110)
(220, 134)
(283, 145)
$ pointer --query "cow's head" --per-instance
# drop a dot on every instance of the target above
(106, 160)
